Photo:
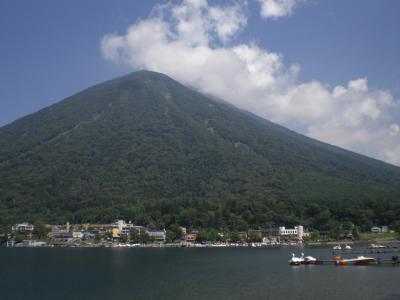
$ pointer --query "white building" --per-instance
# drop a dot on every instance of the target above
(77, 235)
(23, 227)
(297, 231)
(158, 235)
(123, 227)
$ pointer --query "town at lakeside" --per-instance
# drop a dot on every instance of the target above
(127, 234)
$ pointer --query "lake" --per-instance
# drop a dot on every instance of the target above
(98, 273)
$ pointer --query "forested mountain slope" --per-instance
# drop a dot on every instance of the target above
(146, 148)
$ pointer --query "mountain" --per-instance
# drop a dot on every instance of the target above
(146, 148)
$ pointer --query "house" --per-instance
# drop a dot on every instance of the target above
(191, 237)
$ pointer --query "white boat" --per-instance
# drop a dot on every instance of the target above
(375, 246)
(309, 260)
(347, 247)
(360, 260)
(338, 247)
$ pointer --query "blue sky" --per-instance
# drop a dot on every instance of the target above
(52, 49)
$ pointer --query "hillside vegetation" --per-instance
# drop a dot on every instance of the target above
(145, 148)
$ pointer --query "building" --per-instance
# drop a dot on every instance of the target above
(78, 234)
(121, 228)
(270, 232)
(23, 228)
(296, 232)
(183, 230)
(191, 237)
(97, 228)
(62, 237)
(158, 235)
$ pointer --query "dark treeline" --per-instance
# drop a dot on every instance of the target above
(233, 214)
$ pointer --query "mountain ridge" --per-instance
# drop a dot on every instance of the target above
(143, 139)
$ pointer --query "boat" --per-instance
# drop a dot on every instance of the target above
(360, 260)
(295, 261)
(338, 247)
(309, 260)
(375, 246)
(347, 247)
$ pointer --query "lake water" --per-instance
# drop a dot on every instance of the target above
(186, 274)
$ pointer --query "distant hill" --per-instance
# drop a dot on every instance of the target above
(146, 148)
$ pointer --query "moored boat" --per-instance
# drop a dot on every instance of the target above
(360, 260)
(309, 260)
(375, 246)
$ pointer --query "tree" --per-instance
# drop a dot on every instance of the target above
(235, 236)
(134, 235)
(315, 236)
(144, 237)
(98, 237)
(19, 237)
(123, 238)
(177, 230)
(396, 226)
(336, 231)
(355, 233)
(40, 229)
(171, 236)
(212, 235)
(202, 235)
(253, 237)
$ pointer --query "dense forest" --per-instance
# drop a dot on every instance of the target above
(147, 149)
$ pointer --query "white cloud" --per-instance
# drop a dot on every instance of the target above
(359, 85)
(188, 41)
(277, 8)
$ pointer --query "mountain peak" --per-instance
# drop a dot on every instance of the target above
(143, 139)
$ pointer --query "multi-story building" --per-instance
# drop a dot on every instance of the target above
(121, 228)
(297, 231)
(158, 235)
(23, 227)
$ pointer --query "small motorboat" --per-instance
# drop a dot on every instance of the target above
(347, 247)
(338, 247)
(375, 246)
(295, 261)
(360, 260)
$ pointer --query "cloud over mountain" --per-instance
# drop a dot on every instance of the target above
(193, 42)
(277, 8)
